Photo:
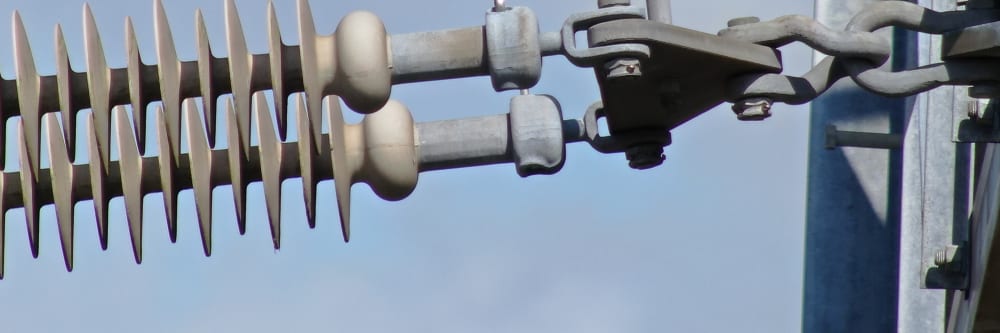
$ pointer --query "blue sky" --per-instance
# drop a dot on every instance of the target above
(710, 241)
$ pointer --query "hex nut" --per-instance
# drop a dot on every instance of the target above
(644, 156)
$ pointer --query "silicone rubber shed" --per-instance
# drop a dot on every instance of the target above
(351, 64)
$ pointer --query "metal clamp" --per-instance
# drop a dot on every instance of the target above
(593, 56)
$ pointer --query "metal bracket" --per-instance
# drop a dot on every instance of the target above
(593, 56)
(684, 77)
(614, 144)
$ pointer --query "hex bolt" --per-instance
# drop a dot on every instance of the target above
(837, 138)
(742, 21)
(625, 67)
(644, 156)
(753, 109)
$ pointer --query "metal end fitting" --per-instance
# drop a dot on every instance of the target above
(753, 109)
(536, 135)
(513, 48)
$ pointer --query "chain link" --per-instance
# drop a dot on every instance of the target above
(861, 54)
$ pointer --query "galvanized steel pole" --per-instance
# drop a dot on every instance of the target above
(852, 213)
(936, 175)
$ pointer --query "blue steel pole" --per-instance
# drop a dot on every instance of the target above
(853, 203)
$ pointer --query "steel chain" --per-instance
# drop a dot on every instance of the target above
(859, 53)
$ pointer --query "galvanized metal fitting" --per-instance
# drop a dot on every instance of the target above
(536, 135)
(837, 138)
(644, 156)
(753, 109)
(513, 48)
(622, 68)
(594, 56)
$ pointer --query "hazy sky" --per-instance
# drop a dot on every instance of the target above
(711, 241)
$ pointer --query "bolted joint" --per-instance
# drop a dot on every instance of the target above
(950, 270)
(753, 109)
(645, 155)
(623, 68)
